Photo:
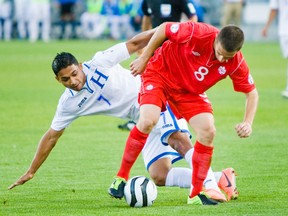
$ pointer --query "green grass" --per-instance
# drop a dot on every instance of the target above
(75, 178)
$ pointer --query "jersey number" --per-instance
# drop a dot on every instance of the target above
(200, 74)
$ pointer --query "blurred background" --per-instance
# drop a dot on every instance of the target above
(48, 20)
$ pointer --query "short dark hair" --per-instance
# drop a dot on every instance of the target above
(63, 60)
(231, 37)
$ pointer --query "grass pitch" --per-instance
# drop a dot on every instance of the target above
(75, 177)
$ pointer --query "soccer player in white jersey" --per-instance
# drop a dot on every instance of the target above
(102, 87)
(280, 7)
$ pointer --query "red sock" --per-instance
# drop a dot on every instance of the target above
(201, 161)
(134, 146)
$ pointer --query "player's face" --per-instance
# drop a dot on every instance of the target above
(221, 54)
(72, 77)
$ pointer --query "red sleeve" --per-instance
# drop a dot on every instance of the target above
(242, 79)
(179, 32)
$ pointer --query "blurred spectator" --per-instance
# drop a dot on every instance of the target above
(136, 15)
(111, 11)
(39, 16)
(200, 11)
(67, 18)
(125, 7)
(21, 17)
(5, 19)
(92, 22)
(157, 12)
(280, 7)
(232, 12)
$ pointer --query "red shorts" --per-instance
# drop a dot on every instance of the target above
(156, 90)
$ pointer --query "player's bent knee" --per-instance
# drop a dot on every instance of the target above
(146, 125)
(159, 179)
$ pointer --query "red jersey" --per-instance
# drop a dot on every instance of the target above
(187, 59)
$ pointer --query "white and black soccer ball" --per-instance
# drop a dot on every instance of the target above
(140, 191)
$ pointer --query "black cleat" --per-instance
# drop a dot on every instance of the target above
(201, 199)
(116, 189)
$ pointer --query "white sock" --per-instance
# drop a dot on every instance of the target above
(217, 176)
(210, 181)
(179, 177)
(188, 157)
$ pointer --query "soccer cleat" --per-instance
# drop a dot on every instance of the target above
(127, 126)
(215, 195)
(227, 183)
(201, 199)
(116, 189)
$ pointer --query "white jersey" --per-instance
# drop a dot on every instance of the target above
(282, 7)
(109, 90)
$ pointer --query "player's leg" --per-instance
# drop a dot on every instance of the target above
(149, 115)
(203, 125)
(182, 143)
(159, 170)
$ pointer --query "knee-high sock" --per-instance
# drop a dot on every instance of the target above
(179, 177)
(201, 161)
(210, 181)
(134, 146)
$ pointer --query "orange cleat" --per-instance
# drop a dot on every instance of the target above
(227, 183)
(215, 195)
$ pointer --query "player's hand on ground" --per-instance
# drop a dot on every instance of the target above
(23, 179)
(137, 67)
(243, 129)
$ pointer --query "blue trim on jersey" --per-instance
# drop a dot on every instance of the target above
(170, 131)
(177, 128)
(89, 89)
(178, 157)
(87, 66)
(71, 92)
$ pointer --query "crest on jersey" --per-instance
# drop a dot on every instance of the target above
(174, 28)
(222, 70)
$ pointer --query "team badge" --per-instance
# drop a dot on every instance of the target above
(222, 70)
(174, 28)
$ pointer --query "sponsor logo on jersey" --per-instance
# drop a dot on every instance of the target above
(167, 125)
(165, 10)
(82, 102)
(150, 87)
(174, 28)
(222, 70)
(195, 53)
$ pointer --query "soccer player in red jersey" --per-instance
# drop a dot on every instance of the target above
(181, 62)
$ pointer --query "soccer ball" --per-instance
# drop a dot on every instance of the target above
(140, 191)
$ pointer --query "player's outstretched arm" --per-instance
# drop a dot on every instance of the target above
(139, 41)
(46, 144)
(244, 129)
(138, 65)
